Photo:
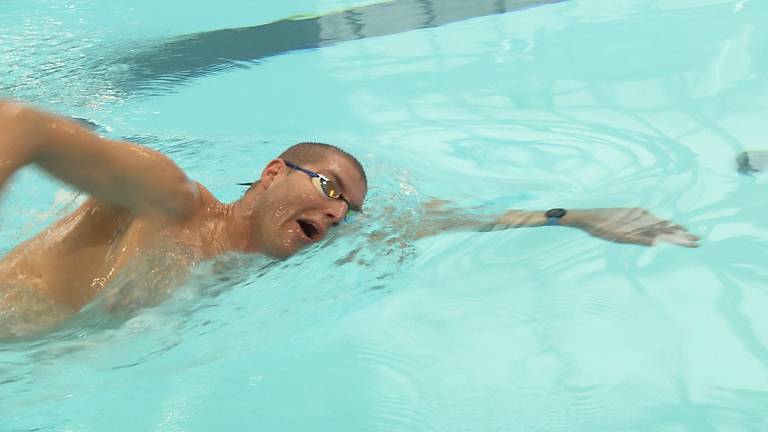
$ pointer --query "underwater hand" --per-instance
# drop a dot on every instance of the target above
(630, 225)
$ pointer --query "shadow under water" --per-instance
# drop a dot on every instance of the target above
(199, 54)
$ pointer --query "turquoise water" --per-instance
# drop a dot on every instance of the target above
(573, 104)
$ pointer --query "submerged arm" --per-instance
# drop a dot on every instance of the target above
(121, 173)
(620, 225)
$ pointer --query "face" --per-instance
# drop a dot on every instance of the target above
(292, 213)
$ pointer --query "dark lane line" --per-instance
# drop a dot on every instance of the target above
(190, 56)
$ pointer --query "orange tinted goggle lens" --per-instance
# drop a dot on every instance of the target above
(328, 187)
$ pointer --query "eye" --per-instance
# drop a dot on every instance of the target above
(330, 188)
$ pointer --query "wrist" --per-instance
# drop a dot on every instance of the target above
(571, 219)
(32, 132)
(19, 137)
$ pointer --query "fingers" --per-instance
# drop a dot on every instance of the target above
(638, 226)
(676, 234)
(667, 232)
(681, 239)
(678, 237)
(676, 227)
(636, 238)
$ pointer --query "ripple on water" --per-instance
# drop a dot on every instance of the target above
(395, 393)
(596, 344)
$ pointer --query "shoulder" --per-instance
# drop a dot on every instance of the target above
(205, 197)
(207, 203)
(187, 201)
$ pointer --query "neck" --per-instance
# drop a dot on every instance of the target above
(238, 227)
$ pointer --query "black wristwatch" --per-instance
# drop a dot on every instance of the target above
(554, 215)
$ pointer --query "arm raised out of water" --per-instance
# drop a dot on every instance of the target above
(120, 173)
(620, 225)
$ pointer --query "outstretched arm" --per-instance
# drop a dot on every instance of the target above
(620, 225)
(121, 173)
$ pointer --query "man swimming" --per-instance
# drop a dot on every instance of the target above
(140, 201)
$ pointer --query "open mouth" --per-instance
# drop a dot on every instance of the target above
(309, 229)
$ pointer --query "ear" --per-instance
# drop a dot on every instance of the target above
(275, 169)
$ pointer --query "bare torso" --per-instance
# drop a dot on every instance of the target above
(70, 262)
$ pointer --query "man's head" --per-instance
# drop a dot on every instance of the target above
(288, 208)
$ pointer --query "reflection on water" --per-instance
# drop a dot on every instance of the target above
(200, 54)
(154, 67)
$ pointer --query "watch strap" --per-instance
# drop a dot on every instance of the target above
(554, 215)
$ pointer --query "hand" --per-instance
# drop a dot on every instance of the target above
(629, 225)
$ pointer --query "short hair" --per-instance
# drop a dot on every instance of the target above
(314, 152)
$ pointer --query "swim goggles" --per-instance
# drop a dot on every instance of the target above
(329, 188)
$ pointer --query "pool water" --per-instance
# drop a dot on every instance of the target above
(492, 105)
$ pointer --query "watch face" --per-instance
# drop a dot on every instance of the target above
(555, 213)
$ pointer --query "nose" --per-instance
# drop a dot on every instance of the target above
(336, 211)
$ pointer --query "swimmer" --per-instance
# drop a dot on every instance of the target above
(140, 201)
